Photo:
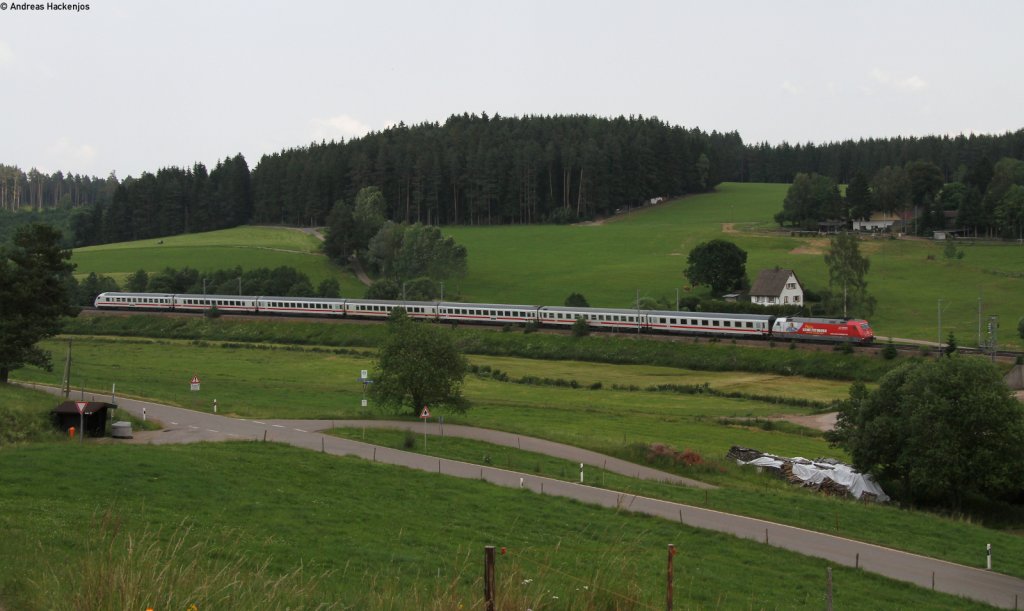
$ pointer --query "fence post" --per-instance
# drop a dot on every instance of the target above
(828, 589)
(489, 577)
(668, 590)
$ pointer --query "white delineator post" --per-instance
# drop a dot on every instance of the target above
(988, 556)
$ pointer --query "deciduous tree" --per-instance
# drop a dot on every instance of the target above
(419, 364)
(847, 269)
(719, 264)
(937, 432)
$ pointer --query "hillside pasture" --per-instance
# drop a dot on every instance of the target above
(645, 250)
(246, 247)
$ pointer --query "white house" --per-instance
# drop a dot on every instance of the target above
(877, 222)
(777, 287)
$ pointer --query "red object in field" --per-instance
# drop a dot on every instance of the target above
(71, 432)
(824, 329)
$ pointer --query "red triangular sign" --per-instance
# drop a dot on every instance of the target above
(425, 413)
(195, 379)
(81, 405)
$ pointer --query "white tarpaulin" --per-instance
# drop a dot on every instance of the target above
(813, 473)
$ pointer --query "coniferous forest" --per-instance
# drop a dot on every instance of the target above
(472, 170)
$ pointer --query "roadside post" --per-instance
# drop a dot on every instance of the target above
(424, 415)
(364, 378)
(81, 427)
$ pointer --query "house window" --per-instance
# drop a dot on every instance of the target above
(785, 300)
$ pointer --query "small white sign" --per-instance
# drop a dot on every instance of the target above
(363, 374)
(195, 383)
(364, 402)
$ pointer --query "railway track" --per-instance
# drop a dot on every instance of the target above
(906, 348)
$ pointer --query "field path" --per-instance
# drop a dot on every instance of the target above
(976, 583)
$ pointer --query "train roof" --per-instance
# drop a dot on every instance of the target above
(729, 315)
(300, 299)
(201, 296)
(830, 321)
(591, 310)
(123, 294)
(491, 306)
(395, 302)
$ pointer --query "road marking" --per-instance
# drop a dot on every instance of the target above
(232, 435)
(175, 423)
(301, 431)
(213, 431)
(279, 426)
(193, 427)
(258, 422)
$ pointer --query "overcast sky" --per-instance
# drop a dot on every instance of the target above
(129, 85)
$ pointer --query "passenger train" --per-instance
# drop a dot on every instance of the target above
(660, 321)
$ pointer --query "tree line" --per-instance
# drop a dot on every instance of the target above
(476, 169)
(492, 170)
(953, 155)
(986, 199)
(38, 191)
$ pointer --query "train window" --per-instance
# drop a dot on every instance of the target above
(750, 325)
(727, 323)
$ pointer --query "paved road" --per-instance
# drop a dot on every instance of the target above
(993, 588)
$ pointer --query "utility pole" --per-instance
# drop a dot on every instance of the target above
(66, 386)
(638, 311)
(979, 322)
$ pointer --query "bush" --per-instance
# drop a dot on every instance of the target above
(580, 328)
(212, 312)
(409, 441)
(1020, 327)
(889, 352)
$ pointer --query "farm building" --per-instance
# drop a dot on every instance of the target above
(877, 222)
(777, 287)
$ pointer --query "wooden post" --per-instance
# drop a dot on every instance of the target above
(489, 577)
(828, 589)
(668, 590)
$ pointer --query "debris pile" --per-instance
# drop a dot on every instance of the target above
(825, 475)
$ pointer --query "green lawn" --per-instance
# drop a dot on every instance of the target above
(248, 247)
(362, 536)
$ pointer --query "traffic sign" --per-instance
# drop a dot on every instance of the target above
(195, 382)
(425, 413)
(81, 405)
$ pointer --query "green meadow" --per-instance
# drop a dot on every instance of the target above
(247, 247)
(644, 251)
(289, 382)
(259, 525)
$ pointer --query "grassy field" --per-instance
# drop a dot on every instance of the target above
(298, 383)
(248, 247)
(645, 250)
(300, 529)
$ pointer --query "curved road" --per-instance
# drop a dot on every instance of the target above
(183, 426)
